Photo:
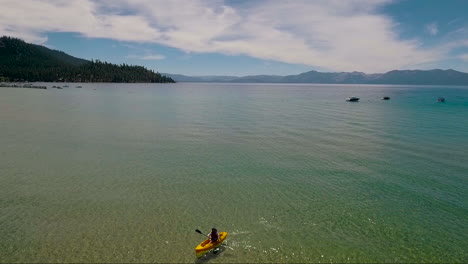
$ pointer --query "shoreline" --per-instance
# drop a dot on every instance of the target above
(14, 85)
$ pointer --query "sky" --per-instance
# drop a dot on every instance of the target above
(249, 37)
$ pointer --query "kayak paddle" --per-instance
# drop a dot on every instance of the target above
(200, 232)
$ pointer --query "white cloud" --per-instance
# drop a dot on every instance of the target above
(331, 34)
(456, 20)
(147, 57)
(432, 28)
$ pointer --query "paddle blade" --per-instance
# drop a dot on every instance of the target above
(198, 231)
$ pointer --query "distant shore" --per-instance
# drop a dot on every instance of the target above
(22, 85)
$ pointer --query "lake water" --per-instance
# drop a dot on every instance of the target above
(294, 173)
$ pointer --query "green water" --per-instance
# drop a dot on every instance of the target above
(126, 173)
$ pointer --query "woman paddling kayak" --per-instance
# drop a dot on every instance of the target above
(214, 236)
(214, 240)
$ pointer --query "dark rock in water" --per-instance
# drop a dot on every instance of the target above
(441, 100)
(385, 98)
(352, 99)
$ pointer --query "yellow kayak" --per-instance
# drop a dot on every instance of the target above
(207, 244)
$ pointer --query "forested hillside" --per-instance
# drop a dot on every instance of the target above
(21, 61)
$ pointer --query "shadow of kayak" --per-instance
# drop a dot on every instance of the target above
(210, 255)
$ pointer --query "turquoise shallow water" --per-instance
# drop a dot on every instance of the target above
(127, 172)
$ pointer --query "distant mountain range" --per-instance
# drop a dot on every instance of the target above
(21, 61)
(411, 77)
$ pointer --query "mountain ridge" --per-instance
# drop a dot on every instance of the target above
(400, 77)
(21, 61)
